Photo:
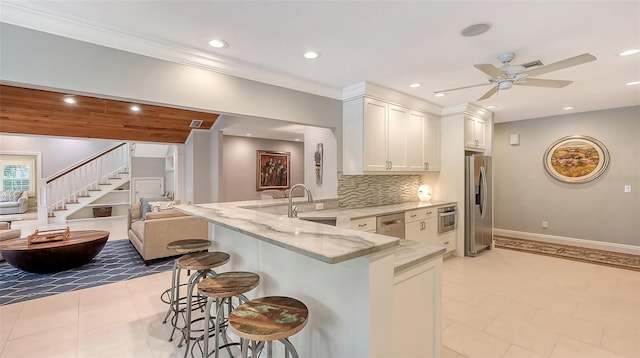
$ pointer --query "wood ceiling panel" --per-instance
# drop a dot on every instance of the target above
(30, 111)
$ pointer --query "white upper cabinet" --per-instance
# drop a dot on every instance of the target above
(474, 133)
(382, 137)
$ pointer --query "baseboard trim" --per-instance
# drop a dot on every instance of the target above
(562, 240)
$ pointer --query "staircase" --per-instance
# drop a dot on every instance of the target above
(83, 185)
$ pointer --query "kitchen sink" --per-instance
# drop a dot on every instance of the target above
(325, 220)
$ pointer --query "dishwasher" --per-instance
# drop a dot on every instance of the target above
(390, 225)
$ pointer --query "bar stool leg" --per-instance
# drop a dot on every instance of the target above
(186, 331)
(171, 291)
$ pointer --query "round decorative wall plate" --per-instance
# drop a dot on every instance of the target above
(576, 159)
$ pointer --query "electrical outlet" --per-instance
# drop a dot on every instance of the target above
(545, 224)
(627, 188)
(319, 206)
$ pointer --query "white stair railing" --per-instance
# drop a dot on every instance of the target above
(87, 176)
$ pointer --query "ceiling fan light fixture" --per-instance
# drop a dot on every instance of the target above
(504, 85)
(629, 52)
(476, 29)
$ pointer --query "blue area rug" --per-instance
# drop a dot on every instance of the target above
(118, 261)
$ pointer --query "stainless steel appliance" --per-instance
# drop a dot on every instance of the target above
(478, 230)
(390, 225)
(447, 218)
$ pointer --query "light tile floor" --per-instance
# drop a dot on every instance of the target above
(500, 304)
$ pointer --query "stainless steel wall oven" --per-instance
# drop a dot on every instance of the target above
(447, 219)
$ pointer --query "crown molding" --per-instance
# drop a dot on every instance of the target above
(20, 15)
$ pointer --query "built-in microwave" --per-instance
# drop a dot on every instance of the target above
(447, 217)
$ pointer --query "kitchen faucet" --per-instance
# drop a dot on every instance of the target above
(293, 211)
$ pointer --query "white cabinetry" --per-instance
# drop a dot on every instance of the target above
(421, 225)
(417, 302)
(474, 133)
(364, 224)
(448, 240)
(384, 137)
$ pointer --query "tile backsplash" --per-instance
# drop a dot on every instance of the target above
(356, 191)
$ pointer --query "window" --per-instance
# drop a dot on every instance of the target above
(18, 173)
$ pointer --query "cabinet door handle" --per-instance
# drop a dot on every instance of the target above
(362, 225)
(429, 212)
(426, 166)
(414, 215)
(446, 242)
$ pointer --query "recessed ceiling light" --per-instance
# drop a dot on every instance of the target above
(633, 83)
(476, 29)
(217, 43)
(630, 52)
(439, 94)
(311, 55)
(491, 106)
(568, 108)
(248, 134)
(297, 139)
(70, 99)
(135, 108)
(415, 85)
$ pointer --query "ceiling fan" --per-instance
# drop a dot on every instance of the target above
(508, 75)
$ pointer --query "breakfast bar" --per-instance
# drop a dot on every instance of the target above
(368, 295)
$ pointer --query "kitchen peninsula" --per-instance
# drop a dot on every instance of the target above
(368, 295)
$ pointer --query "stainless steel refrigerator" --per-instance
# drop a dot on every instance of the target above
(478, 228)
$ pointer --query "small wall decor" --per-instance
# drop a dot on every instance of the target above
(576, 159)
(273, 170)
(317, 158)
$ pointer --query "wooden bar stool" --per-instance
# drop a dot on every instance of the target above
(173, 293)
(220, 289)
(203, 263)
(268, 319)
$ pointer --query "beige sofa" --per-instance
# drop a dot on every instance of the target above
(151, 236)
(13, 202)
(6, 233)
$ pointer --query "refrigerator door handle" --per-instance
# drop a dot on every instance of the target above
(484, 193)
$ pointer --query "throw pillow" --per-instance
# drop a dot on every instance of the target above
(10, 195)
(157, 206)
(145, 207)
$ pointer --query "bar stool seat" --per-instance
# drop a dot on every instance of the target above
(268, 319)
(171, 296)
(189, 245)
(203, 263)
(221, 289)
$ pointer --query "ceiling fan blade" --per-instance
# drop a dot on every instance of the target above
(569, 62)
(489, 93)
(459, 88)
(491, 70)
(536, 82)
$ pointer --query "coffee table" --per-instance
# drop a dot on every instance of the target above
(79, 248)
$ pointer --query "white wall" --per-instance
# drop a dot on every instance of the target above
(57, 154)
(239, 165)
(147, 167)
(36, 59)
(197, 168)
(329, 187)
(525, 195)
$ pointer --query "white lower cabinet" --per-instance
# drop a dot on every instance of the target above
(417, 306)
(421, 225)
(448, 240)
(364, 224)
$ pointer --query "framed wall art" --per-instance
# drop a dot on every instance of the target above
(576, 159)
(273, 170)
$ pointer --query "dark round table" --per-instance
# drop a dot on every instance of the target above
(79, 248)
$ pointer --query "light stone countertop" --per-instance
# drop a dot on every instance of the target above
(323, 242)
